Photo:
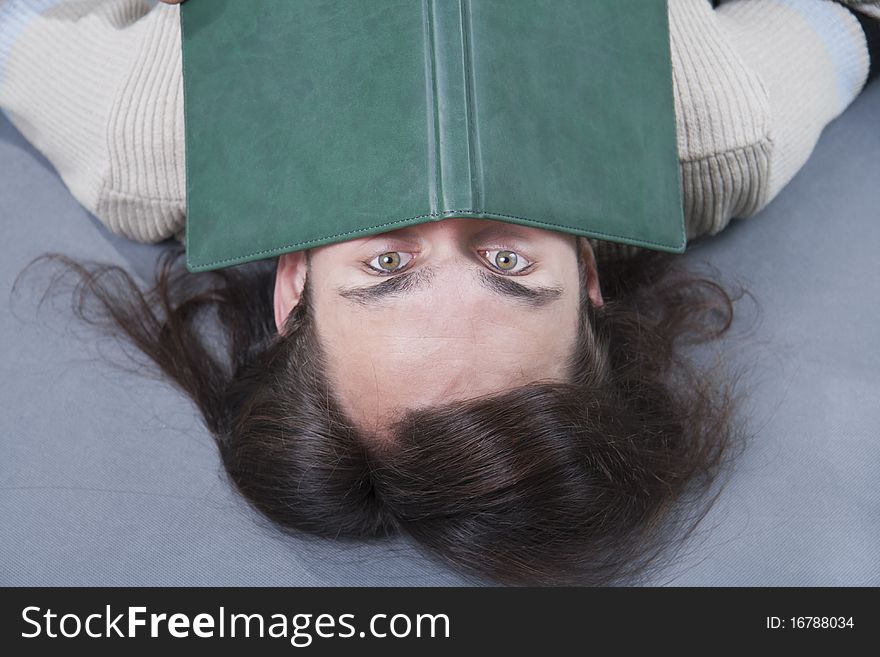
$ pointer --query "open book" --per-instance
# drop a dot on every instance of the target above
(311, 122)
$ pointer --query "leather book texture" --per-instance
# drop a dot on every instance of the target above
(310, 122)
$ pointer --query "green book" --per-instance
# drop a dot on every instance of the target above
(311, 122)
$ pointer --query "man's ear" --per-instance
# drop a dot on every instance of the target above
(589, 258)
(290, 278)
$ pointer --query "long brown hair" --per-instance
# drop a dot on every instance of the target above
(588, 481)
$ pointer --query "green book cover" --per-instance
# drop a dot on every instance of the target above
(311, 122)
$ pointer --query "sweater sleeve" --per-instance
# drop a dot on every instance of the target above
(97, 87)
(810, 60)
(755, 82)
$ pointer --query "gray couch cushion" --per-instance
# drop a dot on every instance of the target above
(108, 477)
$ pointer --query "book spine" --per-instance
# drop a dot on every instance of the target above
(453, 138)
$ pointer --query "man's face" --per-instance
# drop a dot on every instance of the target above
(441, 311)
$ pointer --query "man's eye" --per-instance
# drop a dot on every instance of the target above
(390, 262)
(508, 262)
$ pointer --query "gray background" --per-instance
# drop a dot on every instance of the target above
(108, 477)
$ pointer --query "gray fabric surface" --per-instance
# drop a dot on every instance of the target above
(108, 478)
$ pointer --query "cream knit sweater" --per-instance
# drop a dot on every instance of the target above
(96, 85)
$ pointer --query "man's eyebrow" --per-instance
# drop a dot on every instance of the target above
(367, 295)
(536, 296)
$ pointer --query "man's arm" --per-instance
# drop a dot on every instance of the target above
(96, 86)
(756, 82)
